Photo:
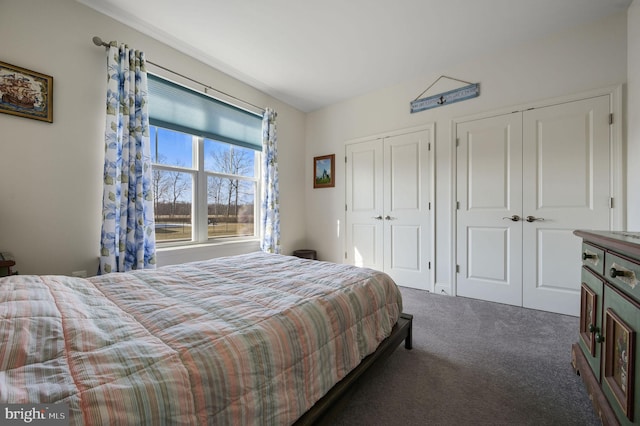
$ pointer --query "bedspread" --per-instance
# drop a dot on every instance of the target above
(249, 339)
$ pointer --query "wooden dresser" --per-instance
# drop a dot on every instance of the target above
(607, 354)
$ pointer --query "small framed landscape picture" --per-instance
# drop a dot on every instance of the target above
(323, 171)
(26, 93)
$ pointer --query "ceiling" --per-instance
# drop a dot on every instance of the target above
(310, 54)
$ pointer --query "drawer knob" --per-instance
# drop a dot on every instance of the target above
(586, 256)
(613, 273)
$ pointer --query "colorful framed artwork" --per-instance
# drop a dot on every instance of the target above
(618, 361)
(324, 169)
(588, 318)
(26, 93)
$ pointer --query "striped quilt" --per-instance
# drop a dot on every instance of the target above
(249, 339)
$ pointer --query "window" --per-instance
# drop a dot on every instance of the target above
(205, 166)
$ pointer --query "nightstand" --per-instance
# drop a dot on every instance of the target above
(5, 267)
(306, 254)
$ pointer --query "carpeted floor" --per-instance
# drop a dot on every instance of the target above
(475, 363)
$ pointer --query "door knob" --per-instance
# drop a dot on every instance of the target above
(513, 218)
(533, 219)
(387, 217)
(379, 217)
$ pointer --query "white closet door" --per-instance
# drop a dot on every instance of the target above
(567, 186)
(388, 216)
(489, 192)
(364, 204)
(406, 209)
(549, 169)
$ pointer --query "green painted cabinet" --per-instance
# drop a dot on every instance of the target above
(607, 355)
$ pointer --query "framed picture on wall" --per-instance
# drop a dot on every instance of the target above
(26, 93)
(324, 168)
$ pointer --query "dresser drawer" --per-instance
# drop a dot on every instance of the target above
(623, 273)
(593, 257)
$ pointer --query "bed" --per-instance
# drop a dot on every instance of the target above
(250, 339)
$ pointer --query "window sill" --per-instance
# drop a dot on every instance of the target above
(170, 255)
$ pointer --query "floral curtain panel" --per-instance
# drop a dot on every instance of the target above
(128, 229)
(270, 193)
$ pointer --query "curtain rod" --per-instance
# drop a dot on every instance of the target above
(98, 42)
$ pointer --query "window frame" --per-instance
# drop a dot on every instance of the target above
(199, 194)
(199, 176)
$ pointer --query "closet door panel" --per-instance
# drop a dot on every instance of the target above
(404, 240)
(364, 220)
(566, 187)
(406, 209)
(489, 191)
(403, 163)
(366, 245)
(490, 248)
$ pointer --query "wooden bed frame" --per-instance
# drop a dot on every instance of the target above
(329, 405)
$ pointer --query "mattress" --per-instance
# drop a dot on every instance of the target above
(249, 339)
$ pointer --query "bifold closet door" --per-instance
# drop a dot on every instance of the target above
(566, 183)
(525, 182)
(387, 207)
(364, 205)
(406, 209)
(489, 229)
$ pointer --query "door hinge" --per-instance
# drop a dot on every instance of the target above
(429, 205)
(429, 146)
(457, 269)
(457, 142)
(610, 202)
(345, 159)
(345, 208)
(429, 265)
(345, 255)
(457, 205)
(611, 118)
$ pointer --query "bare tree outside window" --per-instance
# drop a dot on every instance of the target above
(173, 205)
(230, 198)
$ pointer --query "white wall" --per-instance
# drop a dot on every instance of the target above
(50, 174)
(579, 59)
(633, 112)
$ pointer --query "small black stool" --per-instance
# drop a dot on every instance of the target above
(306, 254)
